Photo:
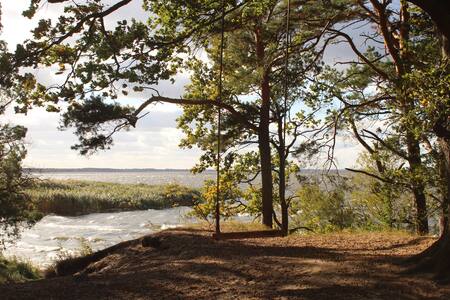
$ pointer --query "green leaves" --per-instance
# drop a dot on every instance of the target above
(93, 118)
(29, 13)
(15, 207)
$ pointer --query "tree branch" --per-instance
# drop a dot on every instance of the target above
(236, 114)
(371, 175)
(359, 54)
(382, 142)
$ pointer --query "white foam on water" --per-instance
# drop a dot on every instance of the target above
(54, 236)
(169, 226)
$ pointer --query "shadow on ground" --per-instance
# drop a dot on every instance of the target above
(191, 265)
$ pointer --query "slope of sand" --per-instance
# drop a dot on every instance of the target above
(190, 265)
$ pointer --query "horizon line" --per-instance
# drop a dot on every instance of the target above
(133, 169)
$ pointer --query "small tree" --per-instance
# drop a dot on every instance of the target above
(15, 206)
(382, 204)
(322, 210)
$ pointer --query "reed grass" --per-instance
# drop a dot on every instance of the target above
(73, 197)
(13, 270)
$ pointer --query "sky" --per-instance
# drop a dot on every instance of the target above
(153, 144)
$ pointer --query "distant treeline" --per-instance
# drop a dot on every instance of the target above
(100, 170)
(113, 170)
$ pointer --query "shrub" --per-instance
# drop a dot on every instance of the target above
(321, 210)
(12, 270)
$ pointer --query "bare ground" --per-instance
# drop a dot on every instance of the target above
(191, 265)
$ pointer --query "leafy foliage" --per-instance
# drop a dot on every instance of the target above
(322, 210)
(15, 208)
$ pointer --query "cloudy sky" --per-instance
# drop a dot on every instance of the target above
(153, 144)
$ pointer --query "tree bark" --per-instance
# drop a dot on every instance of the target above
(445, 181)
(412, 143)
(436, 258)
(264, 136)
(418, 187)
(265, 154)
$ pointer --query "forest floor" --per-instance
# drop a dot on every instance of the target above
(189, 264)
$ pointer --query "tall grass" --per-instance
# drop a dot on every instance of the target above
(12, 270)
(71, 197)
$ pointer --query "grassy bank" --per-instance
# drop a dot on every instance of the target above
(12, 270)
(70, 197)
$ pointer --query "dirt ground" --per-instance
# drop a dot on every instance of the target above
(191, 265)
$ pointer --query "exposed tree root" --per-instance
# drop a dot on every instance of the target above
(434, 260)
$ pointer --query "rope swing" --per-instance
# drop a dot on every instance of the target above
(219, 120)
(286, 71)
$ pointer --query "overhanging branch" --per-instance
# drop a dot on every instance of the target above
(236, 114)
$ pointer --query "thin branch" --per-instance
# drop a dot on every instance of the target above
(236, 114)
(359, 53)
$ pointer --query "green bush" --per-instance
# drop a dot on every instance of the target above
(381, 206)
(361, 203)
(321, 210)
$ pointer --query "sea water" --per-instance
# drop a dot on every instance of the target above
(54, 237)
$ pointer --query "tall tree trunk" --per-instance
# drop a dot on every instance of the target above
(264, 136)
(444, 144)
(265, 154)
(418, 188)
(443, 133)
(412, 143)
(436, 258)
(444, 174)
(445, 148)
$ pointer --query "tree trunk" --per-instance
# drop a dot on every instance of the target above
(422, 216)
(445, 181)
(418, 187)
(266, 158)
(264, 136)
(282, 194)
(436, 258)
(443, 222)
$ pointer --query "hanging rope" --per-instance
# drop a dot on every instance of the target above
(286, 69)
(286, 84)
(219, 121)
